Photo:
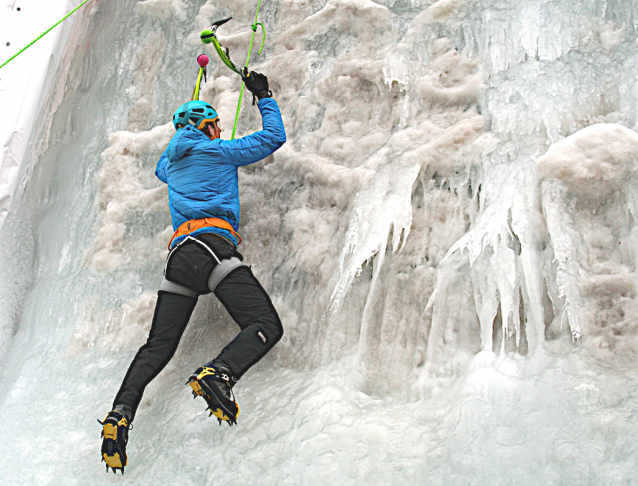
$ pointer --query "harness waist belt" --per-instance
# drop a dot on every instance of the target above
(196, 224)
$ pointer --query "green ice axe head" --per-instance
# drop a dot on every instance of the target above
(209, 36)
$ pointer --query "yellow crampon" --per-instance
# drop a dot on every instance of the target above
(223, 407)
(115, 437)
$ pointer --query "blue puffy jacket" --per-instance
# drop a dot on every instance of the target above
(202, 174)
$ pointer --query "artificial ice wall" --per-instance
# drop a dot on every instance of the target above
(449, 236)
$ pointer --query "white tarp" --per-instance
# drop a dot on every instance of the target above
(25, 80)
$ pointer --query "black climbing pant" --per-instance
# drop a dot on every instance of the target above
(240, 293)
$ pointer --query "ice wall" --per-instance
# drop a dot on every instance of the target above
(448, 236)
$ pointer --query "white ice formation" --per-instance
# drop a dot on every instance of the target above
(449, 235)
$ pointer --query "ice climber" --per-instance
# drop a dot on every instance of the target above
(201, 172)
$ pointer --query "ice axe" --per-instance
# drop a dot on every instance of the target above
(209, 36)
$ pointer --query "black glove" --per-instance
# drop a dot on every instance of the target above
(257, 84)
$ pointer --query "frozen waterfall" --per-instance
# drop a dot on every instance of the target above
(450, 237)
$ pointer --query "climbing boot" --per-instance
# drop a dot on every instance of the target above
(115, 429)
(214, 383)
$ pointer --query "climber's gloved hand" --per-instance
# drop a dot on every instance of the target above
(257, 84)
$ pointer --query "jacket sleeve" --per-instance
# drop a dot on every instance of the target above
(259, 145)
(160, 170)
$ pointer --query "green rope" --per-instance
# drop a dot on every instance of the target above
(250, 48)
(42, 35)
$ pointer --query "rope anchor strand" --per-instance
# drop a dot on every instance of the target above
(250, 48)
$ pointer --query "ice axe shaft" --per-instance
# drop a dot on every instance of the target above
(202, 60)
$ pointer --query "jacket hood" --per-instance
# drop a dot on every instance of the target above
(183, 141)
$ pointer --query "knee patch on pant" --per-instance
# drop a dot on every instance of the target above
(270, 335)
(222, 270)
(172, 287)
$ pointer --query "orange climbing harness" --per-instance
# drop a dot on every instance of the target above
(196, 224)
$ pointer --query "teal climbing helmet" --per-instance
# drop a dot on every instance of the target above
(196, 113)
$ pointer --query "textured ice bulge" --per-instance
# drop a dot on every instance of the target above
(449, 236)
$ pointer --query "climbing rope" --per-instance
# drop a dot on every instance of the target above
(250, 48)
(46, 32)
(209, 36)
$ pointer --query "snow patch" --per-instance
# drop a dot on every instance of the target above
(161, 9)
(122, 191)
(148, 64)
(113, 328)
(343, 15)
(444, 9)
(594, 161)
(598, 34)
